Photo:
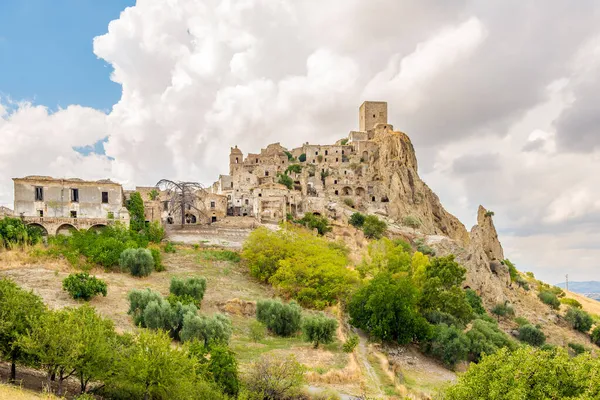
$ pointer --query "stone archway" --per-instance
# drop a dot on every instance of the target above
(190, 219)
(65, 229)
(346, 191)
(97, 228)
(41, 227)
(360, 191)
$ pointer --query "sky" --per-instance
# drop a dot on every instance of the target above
(500, 99)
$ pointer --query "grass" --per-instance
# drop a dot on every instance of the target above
(387, 385)
(18, 393)
(220, 255)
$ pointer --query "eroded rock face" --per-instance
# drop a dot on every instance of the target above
(482, 258)
(395, 163)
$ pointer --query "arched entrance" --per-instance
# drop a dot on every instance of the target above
(360, 191)
(190, 219)
(347, 191)
(97, 228)
(41, 228)
(65, 229)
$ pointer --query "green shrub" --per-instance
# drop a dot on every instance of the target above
(436, 317)
(138, 300)
(302, 157)
(512, 270)
(158, 265)
(571, 302)
(138, 262)
(503, 310)
(549, 298)
(350, 343)
(295, 168)
(579, 319)
(357, 220)
(258, 331)
(522, 282)
(373, 227)
(155, 232)
(319, 329)
(193, 287)
(521, 321)
(220, 364)
(425, 249)
(312, 221)
(531, 335)
(14, 232)
(220, 255)
(577, 348)
(285, 180)
(474, 301)
(349, 202)
(486, 338)
(281, 319)
(83, 286)
(169, 248)
(209, 330)
(595, 335)
(411, 221)
(448, 344)
(275, 378)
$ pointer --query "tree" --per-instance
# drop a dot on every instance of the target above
(302, 157)
(486, 338)
(183, 196)
(475, 302)
(135, 206)
(155, 369)
(528, 373)
(386, 307)
(373, 227)
(319, 329)
(52, 342)
(595, 335)
(531, 335)
(579, 319)
(208, 330)
(274, 378)
(285, 180)
(282, 319)
(19, 312)
(192, 288)
(220, 364)
(442, 288)
(503, 310)
(137, 261)
(357, 220)
(153, 195)
(83, 286)
(138, 301)
(312, 221)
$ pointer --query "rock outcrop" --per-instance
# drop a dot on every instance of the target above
(482, 258)
(395, 163)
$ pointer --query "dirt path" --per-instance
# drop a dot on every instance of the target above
(363, 360)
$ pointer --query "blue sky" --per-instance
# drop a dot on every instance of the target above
(46, 52)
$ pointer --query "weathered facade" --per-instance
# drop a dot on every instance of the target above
(60, 205)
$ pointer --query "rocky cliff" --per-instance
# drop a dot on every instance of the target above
(395, 163)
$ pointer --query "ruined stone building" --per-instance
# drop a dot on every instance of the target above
(60, 205)
(373, 169)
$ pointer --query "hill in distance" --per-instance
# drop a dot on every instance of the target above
(590, 289)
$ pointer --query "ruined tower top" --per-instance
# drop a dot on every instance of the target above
(372, 113)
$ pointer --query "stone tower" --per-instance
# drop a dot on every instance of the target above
(236, 158)
(372, 113)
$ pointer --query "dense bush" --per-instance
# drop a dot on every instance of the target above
(385, 255)
(442, 288)
(300, 265)
(281, 319)
(549, 298)
(138, 300)
(83, 286)
(449, 344)
(350, 343)
(521, 321)
(135, 206)
(138, 262)
(438, 317)
(14, 232)
(193, 288)
(220, 364)
(503, 310)
(373, 227)
(169, 248)
(209, 330)
(318, 222)
(595, 335)
(411, 221)
(319, 329)
(579, 319)
(357, 220)
(271, 378)
(386, 308)
(155, 232)
(570, 302)
(486, 338)
(285, 180)
(512, 270)
(528, 373)
(258, 331)
(158, 265)
(577, 348)
(475, 301)
(302, 157)
(531, 335)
